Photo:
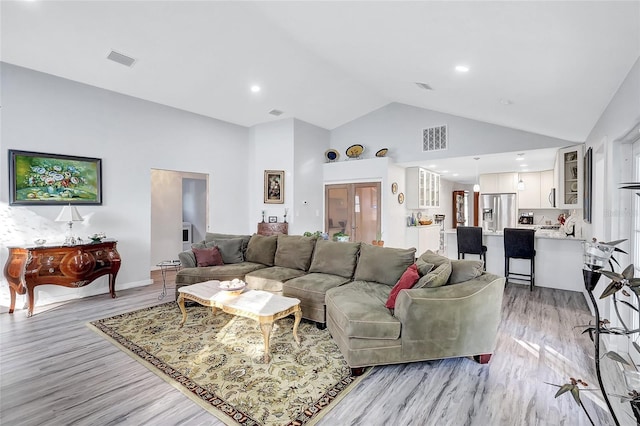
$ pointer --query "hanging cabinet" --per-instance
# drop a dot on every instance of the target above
(570, 179)
(423, 188)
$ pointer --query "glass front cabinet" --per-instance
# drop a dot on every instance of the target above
(423, 188)
(570, 180)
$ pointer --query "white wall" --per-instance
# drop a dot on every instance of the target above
(48, 114)
(399, 128)
(310, 144)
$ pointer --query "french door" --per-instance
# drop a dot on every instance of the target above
(353, 209)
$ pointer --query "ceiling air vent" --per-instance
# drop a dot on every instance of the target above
(121, 58)
(434, 138)
(424, 86)
(276, 112)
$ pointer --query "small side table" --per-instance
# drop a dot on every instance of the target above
(167, 265)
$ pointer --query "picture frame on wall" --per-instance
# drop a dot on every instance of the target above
(273, 219)
(37, 178)
(274, 186)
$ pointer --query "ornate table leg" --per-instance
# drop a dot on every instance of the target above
(184, 311)
(298, 316)
(31, 299)
(266, 334)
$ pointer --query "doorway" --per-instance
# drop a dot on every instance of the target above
(353, 209)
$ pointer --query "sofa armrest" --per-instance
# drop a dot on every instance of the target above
(188, 259)
(454, 320)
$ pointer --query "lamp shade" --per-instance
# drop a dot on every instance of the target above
(69, 213)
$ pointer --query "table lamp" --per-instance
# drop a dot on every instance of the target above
(69, 214)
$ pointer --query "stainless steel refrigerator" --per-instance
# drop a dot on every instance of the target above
(499, 211)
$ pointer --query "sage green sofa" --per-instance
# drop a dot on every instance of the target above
(452, 311)
(452, 315)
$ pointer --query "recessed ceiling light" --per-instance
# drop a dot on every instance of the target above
(455, 174)
(520, 157)
(524, 165)
(506, 101)
(431, 166)
(255, 88)
(462, 68)
(445, 171)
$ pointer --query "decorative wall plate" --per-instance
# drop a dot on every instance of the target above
(401, 198)
(331, 155)
(354, 151)
(394, 187)
(382, 152)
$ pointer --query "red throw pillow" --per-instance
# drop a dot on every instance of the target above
(407, 280)
(209, 256)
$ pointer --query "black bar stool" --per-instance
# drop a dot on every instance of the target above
(470, 242)
(519, 244)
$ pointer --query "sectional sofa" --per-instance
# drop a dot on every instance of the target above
(452, 311)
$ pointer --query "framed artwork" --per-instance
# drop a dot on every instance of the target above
(36, 178)
(273, 219)
(588, 185)
(274, 186)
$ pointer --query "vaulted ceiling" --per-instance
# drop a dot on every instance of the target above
(544, 67)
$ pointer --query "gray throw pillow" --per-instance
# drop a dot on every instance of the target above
(383, 264)
(330, 257)
(262, 249)
(215, 236)
(436, 278)
(465, 270)
(231, 250)
(423, 267)
(294, 251)
(434, 258)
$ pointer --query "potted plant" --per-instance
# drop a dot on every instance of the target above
(340, 237)
(596, 256)
(378, 241)
(317, 234)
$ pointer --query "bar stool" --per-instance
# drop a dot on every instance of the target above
(518, 244)
(470, 242)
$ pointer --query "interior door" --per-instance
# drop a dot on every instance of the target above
(354, 209)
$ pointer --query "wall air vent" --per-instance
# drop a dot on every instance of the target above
(121, 58)
(276, 112)
(434, 138)
(424, 86)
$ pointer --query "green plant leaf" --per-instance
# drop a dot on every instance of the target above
(616, 357)
(614, 243)
(612, 275)
(620, 250)
(564, 388)
(629, 305)
(636, 346)
(628, 272)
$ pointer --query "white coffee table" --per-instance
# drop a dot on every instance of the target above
(261, 306)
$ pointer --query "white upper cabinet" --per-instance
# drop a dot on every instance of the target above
(537, 190)
(570, 178)
(423, 188)
(492, 183)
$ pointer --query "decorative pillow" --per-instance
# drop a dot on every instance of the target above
(436, 278)
(330, 257)
(423, 267)
(407, 280)
(231, 249)
(214, 236)
(262, 249)
(465, 270)
(294, 251)
(208, 256)
(434, 258)
(384, 265)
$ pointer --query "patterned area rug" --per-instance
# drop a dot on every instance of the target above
(217, 360)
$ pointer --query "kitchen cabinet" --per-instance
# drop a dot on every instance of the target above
(570, 180)
(537, 190)
(423, 238)
(423, 188)
(494, 183)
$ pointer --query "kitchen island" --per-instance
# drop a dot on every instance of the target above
(558, 258)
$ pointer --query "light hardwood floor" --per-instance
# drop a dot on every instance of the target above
(55, 371)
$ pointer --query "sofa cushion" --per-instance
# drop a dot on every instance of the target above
(271, 279)
(358, 310)
(436, 278)
(406, 281)
(208, 256)
(187, 276)
(294, 251)
(423, 267)
(434, 258)
(187, 259)
(214, 236)
(312, 287)
(335, 258)
(383, 264)
(465, 270)
(262, 249)
(231, 249)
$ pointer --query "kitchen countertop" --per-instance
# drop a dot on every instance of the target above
(540, 233)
